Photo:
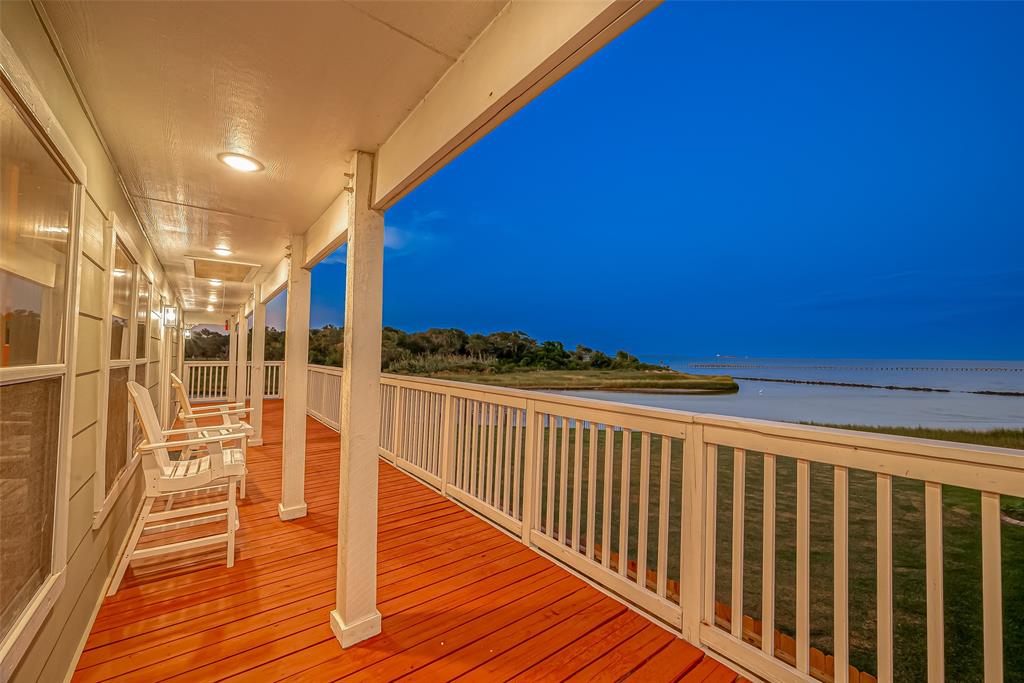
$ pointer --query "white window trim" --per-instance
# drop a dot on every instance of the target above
(104, 502)
(16, 81)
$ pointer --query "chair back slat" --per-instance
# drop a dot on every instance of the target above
(179, 388)
(149, 421)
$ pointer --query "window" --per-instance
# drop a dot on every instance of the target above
(36, 208)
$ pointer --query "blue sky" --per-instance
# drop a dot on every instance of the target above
(807, 179)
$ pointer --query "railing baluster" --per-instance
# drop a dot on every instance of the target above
(517, 451)
(563, 480)
(475, 445)
(883, 536)
(933, 579)
(492, 447)
(663, 503)
(606, 509)
(803, 564)
(710, 523)
(506, 480)
(992, 586)
(531, 470)
(627, 448)
(591, 491)
(550, 502)
(840, 591)
(768, 559)
(577, 483)
(739, 488)
(643, 509)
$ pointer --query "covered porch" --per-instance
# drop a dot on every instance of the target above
(398, 525)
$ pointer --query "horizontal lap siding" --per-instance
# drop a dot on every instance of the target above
(91, 553)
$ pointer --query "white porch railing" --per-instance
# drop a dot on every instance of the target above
(208, 380)
(323, 394)
(693, 518)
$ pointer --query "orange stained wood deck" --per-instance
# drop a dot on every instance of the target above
(459, 598)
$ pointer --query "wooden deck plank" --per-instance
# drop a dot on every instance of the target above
(459, 598)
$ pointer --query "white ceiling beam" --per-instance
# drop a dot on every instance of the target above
(527, 47)
(275, 282)
(330, 230)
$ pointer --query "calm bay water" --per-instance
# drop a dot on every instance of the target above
(955, 408)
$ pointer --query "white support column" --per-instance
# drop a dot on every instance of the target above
(232, 359)
(296, 357)
(243, 354)
(355, 617)
(259, 328)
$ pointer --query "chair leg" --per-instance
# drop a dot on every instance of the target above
(232, 520)
(122, 565)
(242, 488)
(170, 502)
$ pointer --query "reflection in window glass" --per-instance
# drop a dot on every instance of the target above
(142, 318)
(28, 479)
(123, 275)
(35, 218)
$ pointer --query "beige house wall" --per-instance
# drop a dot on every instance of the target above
(91, 552)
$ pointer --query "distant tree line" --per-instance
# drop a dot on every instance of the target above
(433, 351)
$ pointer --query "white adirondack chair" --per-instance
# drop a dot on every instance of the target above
(164, 476)
(229, 413)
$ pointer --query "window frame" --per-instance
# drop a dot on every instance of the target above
(18, 85)
(103, 501)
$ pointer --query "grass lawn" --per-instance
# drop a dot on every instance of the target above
(667, 381)
(962, 551)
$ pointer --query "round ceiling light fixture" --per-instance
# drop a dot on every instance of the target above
(222, 251)
(215, 282)
(240, 162)
(210, 309)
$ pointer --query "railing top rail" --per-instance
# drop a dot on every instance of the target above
(224, 362)
(824, 436)
(326, 369)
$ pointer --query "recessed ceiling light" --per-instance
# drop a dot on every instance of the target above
(215, 282)
(213, 298)
(222, 251)
(120, 272)
(210, 309)
(240, 162)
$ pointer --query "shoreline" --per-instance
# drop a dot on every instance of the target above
(890, 387)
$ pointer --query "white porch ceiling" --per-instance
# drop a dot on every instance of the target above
(296, 85)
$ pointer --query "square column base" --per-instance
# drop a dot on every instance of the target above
(293, 512)
(350, 634)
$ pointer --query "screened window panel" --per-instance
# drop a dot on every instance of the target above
(29, 435)
(117, 427)
(36, 201)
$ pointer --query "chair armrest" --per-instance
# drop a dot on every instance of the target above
(174, 445)
(216, 409)
(236, 411)
(196, 430)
